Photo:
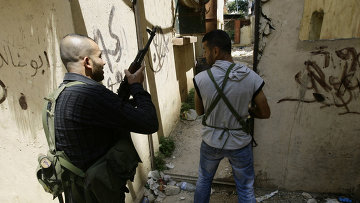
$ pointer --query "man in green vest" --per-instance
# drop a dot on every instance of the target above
(224, 93)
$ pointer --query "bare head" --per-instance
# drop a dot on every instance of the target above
(80, 54)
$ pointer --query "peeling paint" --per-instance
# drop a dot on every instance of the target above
(266, 27)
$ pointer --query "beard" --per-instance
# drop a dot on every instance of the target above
(98, 74)
(210, 60)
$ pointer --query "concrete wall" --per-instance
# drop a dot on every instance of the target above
(220, 14)
(162, 76)
(30, 67)
(311, 142)
(325, 20)
(246, 35)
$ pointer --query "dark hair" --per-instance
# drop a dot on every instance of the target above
(218, 38)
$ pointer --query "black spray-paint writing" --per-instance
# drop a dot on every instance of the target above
(342, 89)
(3, 92)
(120, 43)
(12, 59)
(118, 77)
(161, 50)
(3, 95)
(117, 51)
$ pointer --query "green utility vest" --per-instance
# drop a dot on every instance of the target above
(104, 181)
(245, 125)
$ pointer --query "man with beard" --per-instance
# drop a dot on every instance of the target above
(90, 119)
(224, 93)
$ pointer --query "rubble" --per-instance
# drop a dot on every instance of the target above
(172, 190)
(159, 186)
(265, 197)
(170, 165)
(190, 115)
(242, 52)
(328, 200)
(306, 195)
(312, 201)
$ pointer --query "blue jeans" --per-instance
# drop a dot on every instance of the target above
(241, 161)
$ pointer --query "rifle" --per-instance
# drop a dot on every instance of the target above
(123, 91)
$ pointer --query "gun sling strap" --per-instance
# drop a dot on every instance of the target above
(48, 118)
(244, 124)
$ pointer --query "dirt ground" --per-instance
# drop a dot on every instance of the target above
(185, 159)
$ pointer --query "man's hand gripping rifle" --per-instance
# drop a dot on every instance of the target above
(123, 90)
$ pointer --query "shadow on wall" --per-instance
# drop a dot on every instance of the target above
(316, 24)
(29, 65)
(184, 62)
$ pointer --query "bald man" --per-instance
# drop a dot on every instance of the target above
(89, 118)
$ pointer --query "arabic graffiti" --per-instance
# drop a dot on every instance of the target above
(10, 58)
(117, 51)
(3, 92)
(338, 91)
(120, 44)
(161, 50)
(118, 79)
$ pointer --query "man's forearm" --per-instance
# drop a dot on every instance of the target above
(198, 105)
(257, 113)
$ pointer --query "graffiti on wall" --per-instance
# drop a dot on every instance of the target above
(161, 43)
(120, 43)
(11, 58)
(3, 92)
(340, 88)
(3, 95)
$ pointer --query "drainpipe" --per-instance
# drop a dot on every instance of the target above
(140, 46)
(256, 50)
(256, 34)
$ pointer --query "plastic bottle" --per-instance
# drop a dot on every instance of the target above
(344, 199)
(186, 186)
(145, 200)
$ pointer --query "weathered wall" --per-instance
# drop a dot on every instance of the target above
(184, 64)
(162, 75)
(112, 25)
(334, 19)
(30, 67)
(246, 35)
(311, 142)
(220, 14)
